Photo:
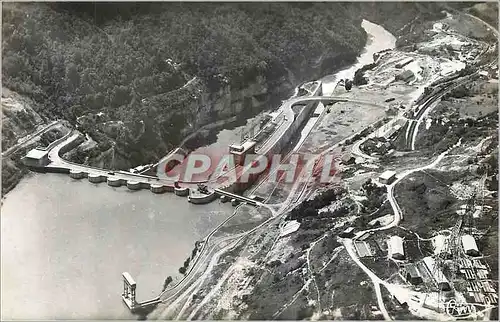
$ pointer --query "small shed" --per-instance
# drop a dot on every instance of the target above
(413, 274)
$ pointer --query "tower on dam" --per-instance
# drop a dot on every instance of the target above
(129, 287)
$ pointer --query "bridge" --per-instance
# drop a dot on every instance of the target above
(241, 198)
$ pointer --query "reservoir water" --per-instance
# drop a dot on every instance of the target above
(65, 243)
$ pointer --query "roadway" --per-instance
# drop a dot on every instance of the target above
(428, 105)
(495, 31)
(289, 119)
(28, 140)
(56, 161)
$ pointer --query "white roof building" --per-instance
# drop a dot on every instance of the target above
(37, 154)
(290, 227)
(37, 158)
(396, 249)
(242, 148)
(469, 245)
(387, 176)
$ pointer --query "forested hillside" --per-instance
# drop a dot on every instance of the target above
(138, 77)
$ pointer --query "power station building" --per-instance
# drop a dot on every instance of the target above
(36, 158)
(240, 150)
(395, 246)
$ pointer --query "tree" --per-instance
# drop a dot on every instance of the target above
(348, 85)
(72, 77)
(168, 280)
(182, 270)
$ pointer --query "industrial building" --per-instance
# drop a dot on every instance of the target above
(413, 274)
(405, 76)
(395, 246)
(36, 158)
(437, 274)
(239, 151)
(469, 245)
(387, 177)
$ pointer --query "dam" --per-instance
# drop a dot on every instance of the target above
(271, 140)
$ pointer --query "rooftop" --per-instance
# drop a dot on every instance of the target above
(36, 154)
(412, 270)
(241, 148)
(469, 243)
(128, 278)
(387, 174)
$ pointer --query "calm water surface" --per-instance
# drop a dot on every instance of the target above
(65, 244)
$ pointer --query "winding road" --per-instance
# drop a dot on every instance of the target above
(30, 139)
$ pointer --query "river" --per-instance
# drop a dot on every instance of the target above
(65, 243)
(378, 39)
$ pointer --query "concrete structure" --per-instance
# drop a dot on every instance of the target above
(237, 198)
(129, 295)
(115, 182)
(387, 177)
(290, 227)
(36, 158)
(469, 245)
(76, 174)
(183, 192)
(96, 178)
(395, 246)
(437, 274)
(291, 120)
(157, 188)
(133, 185)
(239, 151)
(129, 288)
(198, 198)
(292, 115)
(413, 274)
